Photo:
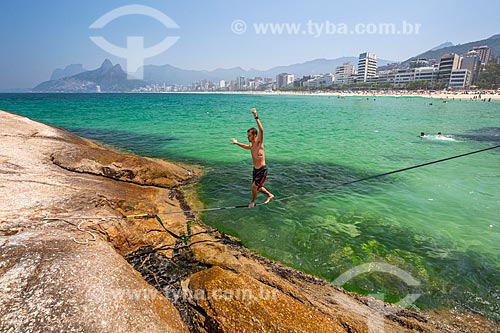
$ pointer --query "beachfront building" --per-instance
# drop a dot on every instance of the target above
(344, 74)
(404, 76)
(460, 78)
(428, 74)
(472, 62)
(299, 82)
(451, 71)
(400, 77)
(247, 83)
(484, 53)
(383, 77)
(240, 83)
(419, 62)
(448, 62)
(318, 81)
(367, 66)
(284, 80)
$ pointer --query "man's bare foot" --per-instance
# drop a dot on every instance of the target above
(269, 197)
(251, 204)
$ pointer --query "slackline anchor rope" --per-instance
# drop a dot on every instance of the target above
(337, 185)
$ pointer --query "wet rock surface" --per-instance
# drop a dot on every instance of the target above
(70, 261)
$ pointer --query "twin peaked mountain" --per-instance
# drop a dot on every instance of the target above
(108, 77)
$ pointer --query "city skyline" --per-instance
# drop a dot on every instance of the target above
(451, 71)
(44, 37)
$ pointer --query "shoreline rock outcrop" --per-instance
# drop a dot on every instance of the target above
(71, 262)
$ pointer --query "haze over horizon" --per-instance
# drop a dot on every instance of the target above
(40, 37)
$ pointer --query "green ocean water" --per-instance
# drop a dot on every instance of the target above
(440, 223)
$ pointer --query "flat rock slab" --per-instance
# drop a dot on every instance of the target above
(49, 283)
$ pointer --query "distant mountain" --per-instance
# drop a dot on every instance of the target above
(225, 73)
(69, 70)
(172, 75)
(493, 42)
(313, 67)
(441, 46)
(108, 77)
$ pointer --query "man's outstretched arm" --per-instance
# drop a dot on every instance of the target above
(235, 142)
(259, 125)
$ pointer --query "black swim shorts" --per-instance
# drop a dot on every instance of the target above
(259, 176)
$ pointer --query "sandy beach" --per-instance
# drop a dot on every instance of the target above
(488, 96)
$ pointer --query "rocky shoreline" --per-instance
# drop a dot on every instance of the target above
(71, 262)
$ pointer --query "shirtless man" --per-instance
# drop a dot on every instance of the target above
(260, 169)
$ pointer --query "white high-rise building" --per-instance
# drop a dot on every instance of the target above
(324, 80)
(284, 80)
(484, 53)
(472, 62)
(344, 73)
(448, 62)
(367, 66)
(460, 78)
(241, 83)
(428, 74)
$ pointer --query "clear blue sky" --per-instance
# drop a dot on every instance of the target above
(38, 36)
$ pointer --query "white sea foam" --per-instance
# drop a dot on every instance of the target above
(440, 138)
